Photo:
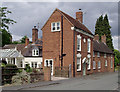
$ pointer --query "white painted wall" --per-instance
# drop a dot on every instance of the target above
(33, 59)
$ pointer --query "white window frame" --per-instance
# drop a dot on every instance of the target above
(111, 64)
(98, 54)
(55, 26)
(105, 62)
(79, 56)
(89, 45)
(34, 52)
(104, 55)
(94, 65)
(79, 38)
(89, 64)
(99, 64)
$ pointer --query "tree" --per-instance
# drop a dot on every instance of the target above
(99, 27)
(117, 57)
(107, 32)
(23, 39)
(4, 28)
(102, 27)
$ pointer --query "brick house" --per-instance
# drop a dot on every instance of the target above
(67, 41)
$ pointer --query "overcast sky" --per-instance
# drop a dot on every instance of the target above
(29, 14)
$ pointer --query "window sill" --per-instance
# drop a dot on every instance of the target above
(78, 50)
(88, 69)
(94, 69)
(99, 68)
(55, 30)
(78, 70)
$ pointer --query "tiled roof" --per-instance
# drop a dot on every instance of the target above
(101, 47)
(76, 23)
(26, 50)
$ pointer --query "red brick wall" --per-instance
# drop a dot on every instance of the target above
(102, 59)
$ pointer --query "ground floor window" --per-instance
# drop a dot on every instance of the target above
(105, 62)
(34, 64)
(111, 64)
(94, 65)
(99, 65)
(78, 64)
(88, 64)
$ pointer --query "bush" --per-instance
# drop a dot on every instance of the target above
(28, 68)
(9, 70)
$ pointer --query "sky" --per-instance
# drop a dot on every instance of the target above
(29, 14)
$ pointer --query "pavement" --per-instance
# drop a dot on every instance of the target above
(99, 81)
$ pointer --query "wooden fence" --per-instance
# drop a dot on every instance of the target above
(62, 71)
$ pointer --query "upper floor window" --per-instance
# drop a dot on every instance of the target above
(104, 55)
(55, 26)
(35, 52)
(89, 42)
(78, 43)
(98, 54)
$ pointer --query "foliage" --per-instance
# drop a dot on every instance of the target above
(10, 70)
(117, 57)
(2, 65)
(23, 39)
(16, 42)
(102, 27)
(28, 68)
(6, 36)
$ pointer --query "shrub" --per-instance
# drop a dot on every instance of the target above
(9, 70)
(28, 68)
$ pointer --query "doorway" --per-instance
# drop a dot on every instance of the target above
(49, 62)
(84, 68)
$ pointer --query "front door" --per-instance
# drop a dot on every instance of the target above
(49, 62)
(84, 68)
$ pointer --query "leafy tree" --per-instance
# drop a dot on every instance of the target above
(117, 57)
(4, 26)
(102, 27)
(16, 42)
(23, 39)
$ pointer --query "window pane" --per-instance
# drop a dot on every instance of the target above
(53, 28)
(78, 63)
(58, 24)
(53, 24)
(58, 28)
(35, 64)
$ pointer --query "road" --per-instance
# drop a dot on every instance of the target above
(102, 81)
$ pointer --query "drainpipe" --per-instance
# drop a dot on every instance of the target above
(61, 42)
(73, 51)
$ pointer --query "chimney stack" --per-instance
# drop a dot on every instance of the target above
(103, 38)
(79, 16)
(26, 41)
(96, 37)
(34, 34)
